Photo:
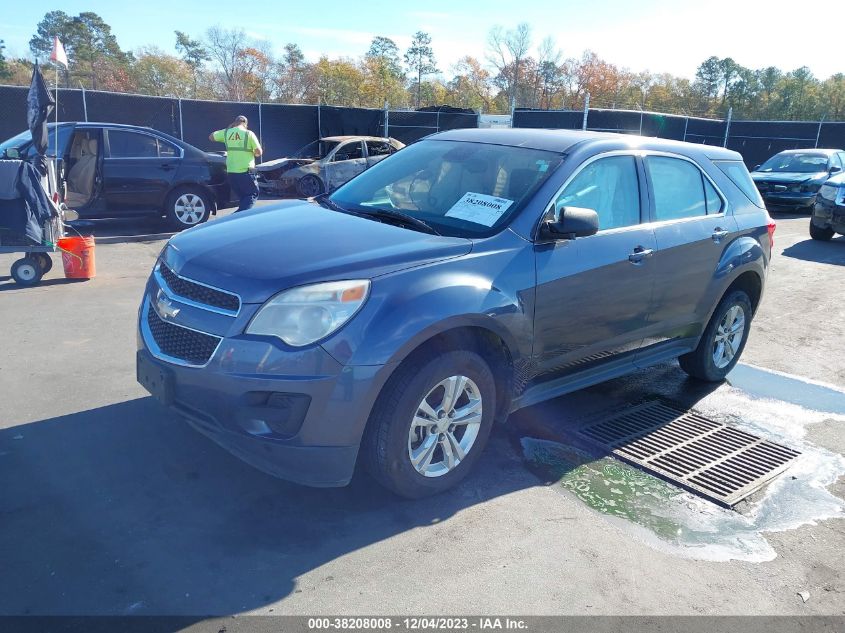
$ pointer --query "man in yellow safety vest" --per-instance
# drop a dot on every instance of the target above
(242, 147)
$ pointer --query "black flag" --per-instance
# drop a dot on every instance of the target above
(39, 104)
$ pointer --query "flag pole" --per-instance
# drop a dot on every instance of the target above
(56, 130)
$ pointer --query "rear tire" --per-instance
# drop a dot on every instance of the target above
(27, 271)
(821, 234)
(186, 207)
(723, 340)
(420, 440)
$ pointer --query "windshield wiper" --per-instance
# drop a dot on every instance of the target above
(403, 218)
(324, 201)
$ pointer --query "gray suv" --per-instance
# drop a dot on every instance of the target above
(467, 276)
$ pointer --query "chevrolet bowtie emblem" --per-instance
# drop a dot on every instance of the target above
(165, 307)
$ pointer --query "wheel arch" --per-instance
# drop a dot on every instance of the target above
(487, 340)
(195, 186)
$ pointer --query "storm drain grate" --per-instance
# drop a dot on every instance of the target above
(717, 461)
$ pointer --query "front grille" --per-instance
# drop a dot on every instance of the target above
(190, 346)
(199, 293)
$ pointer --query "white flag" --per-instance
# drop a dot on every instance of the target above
(58, 54)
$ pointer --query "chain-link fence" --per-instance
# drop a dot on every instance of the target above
(755, 140)
(282, 128)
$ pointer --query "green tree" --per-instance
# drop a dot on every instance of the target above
(5, 70)
(193, 54)
(420, 59)
(383, 76)
(294, 77)
(88, 41)
(159, 74)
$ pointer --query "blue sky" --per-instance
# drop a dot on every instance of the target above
(657, 35)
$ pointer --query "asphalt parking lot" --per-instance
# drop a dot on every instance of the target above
(112, 506)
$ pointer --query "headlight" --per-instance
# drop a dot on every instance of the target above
(304, 315)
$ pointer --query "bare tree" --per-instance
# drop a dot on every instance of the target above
(507, 51)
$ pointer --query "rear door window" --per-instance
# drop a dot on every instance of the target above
(167, 150)
(125, 144)
(378, 148)
(678, 187)
(610, 187)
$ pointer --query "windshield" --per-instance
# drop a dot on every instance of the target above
(316, 150)
(23, 141)
(800, 163)
(460, 189)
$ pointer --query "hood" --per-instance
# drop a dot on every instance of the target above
(837, 180)
(788, 177)
(281, 163)
(267, 250)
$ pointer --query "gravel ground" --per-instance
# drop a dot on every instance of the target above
(112, 506)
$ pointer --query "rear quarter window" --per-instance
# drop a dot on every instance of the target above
(738, 174)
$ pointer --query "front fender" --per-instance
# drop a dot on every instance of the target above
(490, 288)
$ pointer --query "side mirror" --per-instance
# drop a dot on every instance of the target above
(835, 169)
(12, 153)
(756, 167)
(570, 222)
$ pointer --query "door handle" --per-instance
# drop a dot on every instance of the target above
(719, 234)
(167, 166)
(639, 255)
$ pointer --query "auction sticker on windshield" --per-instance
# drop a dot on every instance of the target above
(479, 208)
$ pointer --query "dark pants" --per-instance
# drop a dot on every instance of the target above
(245, 188)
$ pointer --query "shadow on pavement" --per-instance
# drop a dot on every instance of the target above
(810, 250)
(124, 509)
(7, 283)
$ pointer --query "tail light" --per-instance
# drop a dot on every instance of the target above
(770, 227)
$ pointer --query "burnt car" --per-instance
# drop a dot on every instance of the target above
(324, 165)
(109, 170)
(792, 178)
(828, 217)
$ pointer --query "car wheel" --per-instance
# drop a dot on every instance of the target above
(310, 186)
(818, 233)
(186, 207)
(27, 271)
(430, 424)
(45, 261)
(724, 339)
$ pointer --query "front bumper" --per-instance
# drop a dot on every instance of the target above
(828, 214)
(295, 414)
(789, 199)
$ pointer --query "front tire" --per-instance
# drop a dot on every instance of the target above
(822, 234)
(430, 424)
(310, 186)
(723, 341)
(186, 207)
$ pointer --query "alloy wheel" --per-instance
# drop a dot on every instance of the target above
(445, 426)
(189, 209)
(728, 336)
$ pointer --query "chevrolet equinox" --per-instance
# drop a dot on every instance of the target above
(469, 275)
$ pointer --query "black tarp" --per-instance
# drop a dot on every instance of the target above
(285, 128)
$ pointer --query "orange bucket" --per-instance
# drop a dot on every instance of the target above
(78, 257)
